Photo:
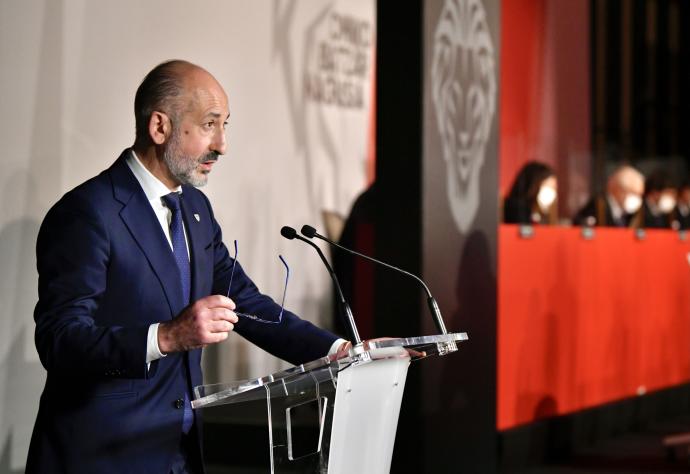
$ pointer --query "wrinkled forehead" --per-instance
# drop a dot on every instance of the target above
(204, 94)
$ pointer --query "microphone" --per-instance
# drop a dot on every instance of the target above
(290, 234)
(309, 231)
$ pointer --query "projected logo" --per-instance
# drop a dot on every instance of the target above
(463, 88)
(326, 54)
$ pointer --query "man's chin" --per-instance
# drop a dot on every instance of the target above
(198, 179)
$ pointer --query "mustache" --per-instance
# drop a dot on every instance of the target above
(210, 156)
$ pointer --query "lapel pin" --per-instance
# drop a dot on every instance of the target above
(196, 216)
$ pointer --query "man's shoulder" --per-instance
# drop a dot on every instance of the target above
(95, 193)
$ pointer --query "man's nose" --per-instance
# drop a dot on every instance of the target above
(219, 142)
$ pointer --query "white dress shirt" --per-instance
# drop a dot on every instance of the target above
(617, 212)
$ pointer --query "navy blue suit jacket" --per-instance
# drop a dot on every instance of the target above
(106, 272)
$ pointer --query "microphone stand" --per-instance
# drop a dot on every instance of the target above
(349, 320)
(310, 232)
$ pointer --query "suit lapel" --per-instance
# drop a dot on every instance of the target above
(142, 223)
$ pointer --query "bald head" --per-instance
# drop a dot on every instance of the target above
(627, 178)
(170, 88)
(623, 181)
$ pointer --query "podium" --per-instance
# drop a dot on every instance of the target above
(333, 415)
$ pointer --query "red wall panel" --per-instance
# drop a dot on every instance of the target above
(584, 322)
(545, 93)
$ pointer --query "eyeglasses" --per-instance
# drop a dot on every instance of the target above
(282, 304)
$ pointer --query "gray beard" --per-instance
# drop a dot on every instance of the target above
(184, 168)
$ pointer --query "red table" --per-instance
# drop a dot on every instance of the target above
(583, 322)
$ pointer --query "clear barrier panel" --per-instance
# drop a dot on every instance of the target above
(300, 401)
(246, 390)
(300, 414)
(423, 346)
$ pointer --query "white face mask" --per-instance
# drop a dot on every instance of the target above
(546, 197)
(632, 203)
(666, 203)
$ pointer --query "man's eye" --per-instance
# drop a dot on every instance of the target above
(209, 124)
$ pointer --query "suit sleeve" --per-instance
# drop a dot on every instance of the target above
(294, 340)
(72, 254)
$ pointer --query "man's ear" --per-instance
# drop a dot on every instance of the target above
(159, 127)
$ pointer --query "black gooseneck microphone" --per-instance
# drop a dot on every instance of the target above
(309, 231)
(290, 234)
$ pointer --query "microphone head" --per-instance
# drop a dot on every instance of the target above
(288, 232)
(308, 231)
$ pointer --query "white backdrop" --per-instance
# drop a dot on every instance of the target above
(299, 79)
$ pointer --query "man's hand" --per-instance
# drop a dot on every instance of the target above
(413, 353)
(344, 349)
(206, 321)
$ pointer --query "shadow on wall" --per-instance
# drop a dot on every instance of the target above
(26, 196)
(475, 290)
(21, 374)
(469, 374)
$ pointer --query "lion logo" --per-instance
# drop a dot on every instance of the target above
(463, 89)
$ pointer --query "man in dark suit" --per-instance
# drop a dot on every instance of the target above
(132, 277)
(659, 201)
(681, 214)
(617, 207)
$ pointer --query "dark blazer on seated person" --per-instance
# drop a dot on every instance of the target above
(106, 272)
(597, 212)
(646, 218)
(682, 217)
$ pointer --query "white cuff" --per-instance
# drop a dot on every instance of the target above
(153, 352)
(336, 345)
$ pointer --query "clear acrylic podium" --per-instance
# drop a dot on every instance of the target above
(333, 415)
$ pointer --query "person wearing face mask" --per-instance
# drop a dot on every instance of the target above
(620, 203)
(532, 198)
(658, 203)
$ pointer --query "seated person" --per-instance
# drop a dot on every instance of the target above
(681, 215)
(659, 201)
(532, 199)
(616, 208)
